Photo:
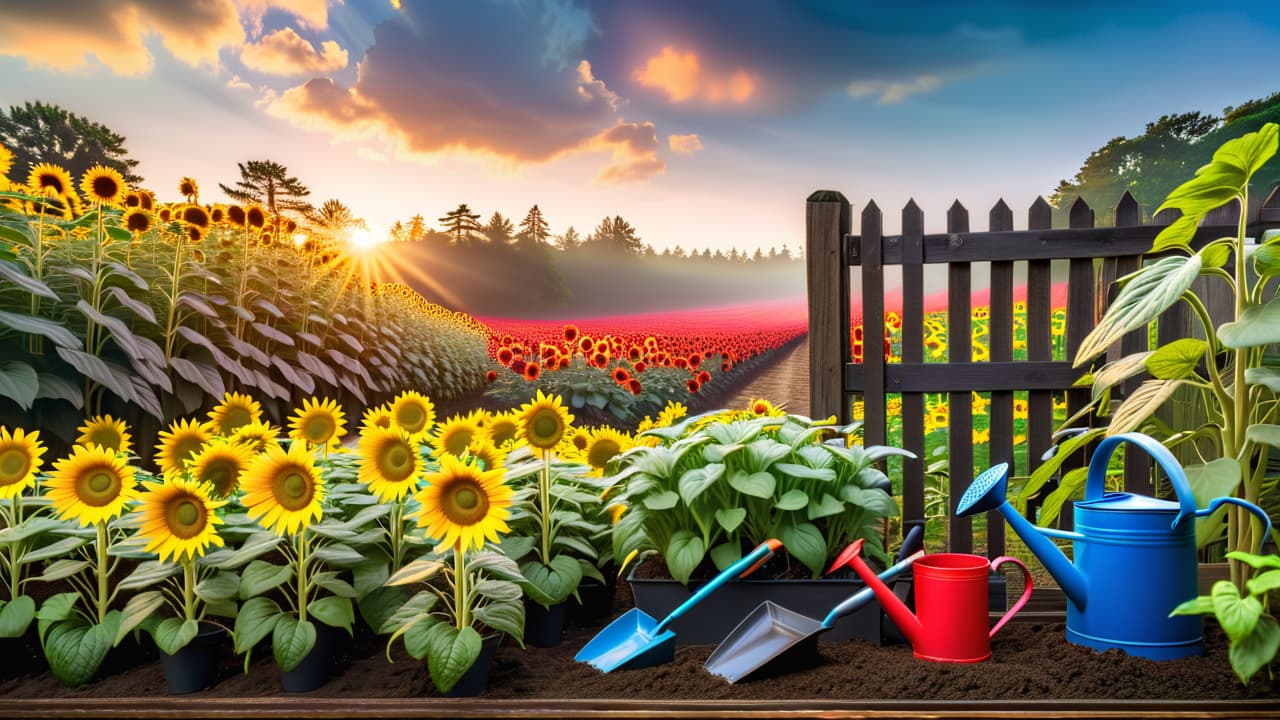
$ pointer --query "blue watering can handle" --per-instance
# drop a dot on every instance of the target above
(1219, 502)
(1094, 484)
(741, 567)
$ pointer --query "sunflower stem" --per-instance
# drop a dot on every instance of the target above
(103, 598)
(462, 610)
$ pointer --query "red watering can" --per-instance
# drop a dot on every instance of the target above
(951, 603)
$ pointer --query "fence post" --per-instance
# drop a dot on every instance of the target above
(827, 222)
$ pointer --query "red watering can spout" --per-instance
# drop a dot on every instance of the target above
(907, 622)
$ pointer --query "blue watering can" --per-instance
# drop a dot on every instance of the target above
(1135, 556)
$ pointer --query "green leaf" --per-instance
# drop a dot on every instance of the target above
(550, 583)
(136, 611)
(219, 586)
(1264, 434)
(451, 653)
(730, 518)
(1256, 650)
(1151, 291)
(805, 543)
(696, 481)
(726, 554)
(1177, 360)
(792, 500)
(662, 501)
(333, 611)
(1266, 377)
(173, 634)
(60, 336)
(505, 616)
(16, 616)
(419, 570)
(1202, 605)
(256, 619)
(292, 640)
(1235, 614)
(684, 553)
(1214, 479)
(759, 484)
(75, 649)
(261, 577)
(19, 383)
(1258, 325)
(1142, 404)
(825, 507)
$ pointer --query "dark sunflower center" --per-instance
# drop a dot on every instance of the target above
(105, 186)
(602, 452)
(318, 429)
(235, 417)
(458, 442)
(13, 466)
(185, 517)
(465, 502)
(98, 487)
(411, 417)
(396, 462)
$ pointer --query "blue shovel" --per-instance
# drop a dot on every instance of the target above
(636, 640)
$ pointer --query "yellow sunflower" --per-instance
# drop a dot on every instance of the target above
(284, 489)
(318, 423)
(257, 436)
(234, 412)
(178, 519)
(486, 452)
(179, 443)
(463, 505)
(502, 426)
(544, 421)
(92, 485)
(455, 435)
(605, 443)
(413, 412)
(49, 180)
(220, 464)
(103, 185)
(376, 417)
(105, 431)
(390, 463)
(20, 460)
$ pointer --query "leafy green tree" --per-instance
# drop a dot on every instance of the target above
(534, 229)
(269, 184)
(461, 225)
(499, 230)
(38, 132)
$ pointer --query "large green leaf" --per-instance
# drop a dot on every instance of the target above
(1258, 325)
(19, 383)
(1149, 292)
(60, 336)
(1256, 650)
(451, 653)
(684, 553)
(805, 543)
(1237, 615)
(292, 640)
(1176, 360)
(550, 583)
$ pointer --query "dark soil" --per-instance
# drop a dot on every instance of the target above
(1030, 661)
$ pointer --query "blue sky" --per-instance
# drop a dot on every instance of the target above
(702, 123)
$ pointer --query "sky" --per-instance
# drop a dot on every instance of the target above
(703, 123)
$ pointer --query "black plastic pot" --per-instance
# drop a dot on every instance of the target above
(595, 603)
(195, 667)
(476, 679)
(317, 666)
(544, 627)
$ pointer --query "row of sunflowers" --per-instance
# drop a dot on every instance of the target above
(275, 534)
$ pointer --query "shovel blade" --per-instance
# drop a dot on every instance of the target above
(768, 633)
(629, 641)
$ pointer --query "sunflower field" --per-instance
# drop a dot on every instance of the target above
(112, 302)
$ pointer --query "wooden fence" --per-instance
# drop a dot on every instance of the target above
(1094, 258)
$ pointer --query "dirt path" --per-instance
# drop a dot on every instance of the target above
(786, 382)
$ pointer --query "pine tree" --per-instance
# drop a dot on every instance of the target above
(269, 184)
(460, 225)
(534, 229)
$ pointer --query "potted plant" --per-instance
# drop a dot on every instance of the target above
(470, 588)
(716, 484)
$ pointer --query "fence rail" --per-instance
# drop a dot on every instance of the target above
(1094, 258)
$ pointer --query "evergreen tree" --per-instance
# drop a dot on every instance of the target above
(498, 231)
(269, 184)
(37, 132)
(460, 225)
(534, 229)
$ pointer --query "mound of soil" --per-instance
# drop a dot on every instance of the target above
(1031, 660)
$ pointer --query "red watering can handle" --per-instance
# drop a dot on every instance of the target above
(1026, 590)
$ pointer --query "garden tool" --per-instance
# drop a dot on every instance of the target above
(950, 622)
(774, 638)
(1135, 556)
(636, 640)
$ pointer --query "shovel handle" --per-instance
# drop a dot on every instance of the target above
(742, 567)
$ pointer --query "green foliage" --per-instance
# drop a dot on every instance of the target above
(1246, 619)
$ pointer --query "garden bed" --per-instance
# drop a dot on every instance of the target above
(1033, 669)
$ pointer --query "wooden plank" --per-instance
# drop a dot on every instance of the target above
(827, 222)
(873, 360)
(1039, 347)
(912, 352)
(960, 407)
(1137, 465)
(1000, 411)
(1006, 376)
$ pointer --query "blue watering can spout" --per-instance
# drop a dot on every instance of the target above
(987, 492)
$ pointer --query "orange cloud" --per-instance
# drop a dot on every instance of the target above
(682, 77)
(684, 144)
(65, 36)
(285, 52)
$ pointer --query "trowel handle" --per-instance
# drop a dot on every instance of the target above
(1219, 502)
(743, 567)
(855, 601)
(1094, 483)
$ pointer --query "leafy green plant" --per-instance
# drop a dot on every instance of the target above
(1247, 619)
(1238, 394)
(720, 483)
